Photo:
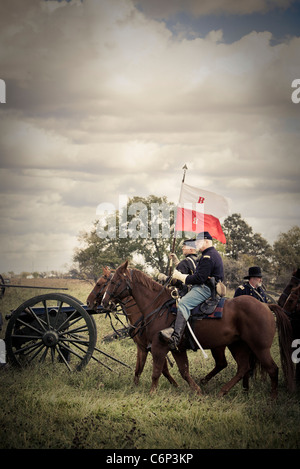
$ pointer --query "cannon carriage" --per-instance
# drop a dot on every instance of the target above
(53, 327)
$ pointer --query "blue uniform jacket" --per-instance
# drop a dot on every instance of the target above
(247, 289)
(209, 265)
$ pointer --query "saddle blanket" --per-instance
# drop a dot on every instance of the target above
(208, 310)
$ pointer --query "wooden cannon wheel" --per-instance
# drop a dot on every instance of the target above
(51, 328)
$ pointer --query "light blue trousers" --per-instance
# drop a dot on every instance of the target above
(193, 298)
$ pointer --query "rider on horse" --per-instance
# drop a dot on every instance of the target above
(254, 285)
(209, 265)
(185, 266)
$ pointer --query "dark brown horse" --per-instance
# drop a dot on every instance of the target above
(247, 326)
(134, 317)
(294, 282)
(290, 302)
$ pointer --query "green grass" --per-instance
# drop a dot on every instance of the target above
(49, 407)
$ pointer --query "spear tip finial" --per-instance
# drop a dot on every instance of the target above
(184, 171)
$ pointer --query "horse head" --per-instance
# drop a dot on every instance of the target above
(294, 282)
(119, 286)
(297, 273)
(95, 297)
(292, 304)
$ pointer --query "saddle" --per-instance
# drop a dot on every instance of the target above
(209, 309)
(212, 307)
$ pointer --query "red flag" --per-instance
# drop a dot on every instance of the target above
(199, 210)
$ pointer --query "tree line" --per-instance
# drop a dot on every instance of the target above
(150, 253)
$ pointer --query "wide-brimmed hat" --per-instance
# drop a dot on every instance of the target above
(254, 272)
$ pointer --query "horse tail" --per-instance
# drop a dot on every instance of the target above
(285, 337)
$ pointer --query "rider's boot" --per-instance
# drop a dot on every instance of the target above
(174, 335)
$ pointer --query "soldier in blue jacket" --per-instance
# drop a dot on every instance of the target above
(187, 265)
(209, 265)
(254, 285)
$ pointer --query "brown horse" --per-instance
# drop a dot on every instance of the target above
(134, 317)
(247, 326)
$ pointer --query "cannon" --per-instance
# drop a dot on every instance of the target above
(51, 328)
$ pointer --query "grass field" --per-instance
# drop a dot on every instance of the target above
(49, 407)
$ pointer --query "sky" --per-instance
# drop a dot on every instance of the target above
(110, 98)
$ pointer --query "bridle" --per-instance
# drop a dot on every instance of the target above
(100, 292)
(128, 288)
(123, 300)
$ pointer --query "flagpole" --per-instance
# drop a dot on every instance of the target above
(174, 236)
(184, 171)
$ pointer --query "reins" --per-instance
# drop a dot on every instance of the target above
(145, 321)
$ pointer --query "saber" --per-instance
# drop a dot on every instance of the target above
(196, 340)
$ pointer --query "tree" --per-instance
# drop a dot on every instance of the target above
(142, 232)
(238, 235)
(286, 254)
(241, 241)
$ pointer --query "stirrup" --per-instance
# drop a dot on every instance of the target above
(166, 334)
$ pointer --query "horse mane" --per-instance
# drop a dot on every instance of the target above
(147, 281)
(291, 305)
(296, 273)
(293, 283)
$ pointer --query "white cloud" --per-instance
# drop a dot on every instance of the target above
(102, 101)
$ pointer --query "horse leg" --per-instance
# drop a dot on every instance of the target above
(183, 366)
(267, 362)
(241, 353)
(159, 360)
(141, 358)
(250, 373)
(220, 363)
(166, 373)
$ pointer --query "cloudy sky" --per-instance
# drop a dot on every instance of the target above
(110, 97)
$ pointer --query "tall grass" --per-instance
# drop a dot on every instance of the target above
(49, 407)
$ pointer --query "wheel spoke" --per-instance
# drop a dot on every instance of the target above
(66, 322)
(52, 354)
(57, 314)
(39, 320)
(26, 324)
(43, 357)
(36, 353)
(82, 328)
(65, 347)
(47, 314)
(64, 359)
(43, 330)
(28, 349)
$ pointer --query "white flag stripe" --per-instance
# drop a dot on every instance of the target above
(214, 204)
